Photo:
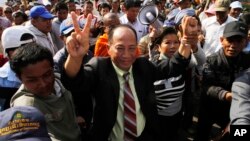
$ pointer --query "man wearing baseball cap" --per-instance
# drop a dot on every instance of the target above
(219, 72)
(41, 26)
(235, 9)
(213, 27)
(13, 37)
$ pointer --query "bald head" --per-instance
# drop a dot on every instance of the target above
(118, 29)
(111, 19)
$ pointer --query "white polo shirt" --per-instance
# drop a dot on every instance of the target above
(141, 30)
(213, 31)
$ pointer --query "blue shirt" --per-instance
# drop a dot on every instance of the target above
(8, 77)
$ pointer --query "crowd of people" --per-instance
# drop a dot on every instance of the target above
(92, 70)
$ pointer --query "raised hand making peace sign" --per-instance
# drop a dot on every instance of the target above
(78, 42)
(77, 45)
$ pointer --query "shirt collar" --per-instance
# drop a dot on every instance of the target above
(121, 72)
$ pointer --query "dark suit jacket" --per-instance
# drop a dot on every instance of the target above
(99, 79)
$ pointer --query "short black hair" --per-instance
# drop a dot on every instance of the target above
(166, 31)
(103, 5)
(111, 33)
(132, 3)
(29, 54)
(61, 6)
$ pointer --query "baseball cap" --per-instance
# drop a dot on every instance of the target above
(235, 28)
(40, 11)
(236, 4)
(221, 5)
(67, 26)
(12, 37)
(182, 13)
(23, 123)
(210, 10)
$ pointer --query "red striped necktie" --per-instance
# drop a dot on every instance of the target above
(130, 130)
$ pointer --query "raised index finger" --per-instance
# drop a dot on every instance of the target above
(75, 22)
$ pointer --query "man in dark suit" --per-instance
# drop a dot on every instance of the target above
(103, 79)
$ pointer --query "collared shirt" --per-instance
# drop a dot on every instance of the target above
(213, 31)
(118, 129)
(8, 77)
(141, 30)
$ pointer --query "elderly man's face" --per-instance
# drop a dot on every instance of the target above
(233, 45)
(123, 49)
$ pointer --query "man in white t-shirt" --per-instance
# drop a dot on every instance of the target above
(130, 18)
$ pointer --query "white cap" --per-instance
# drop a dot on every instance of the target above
(11, 37)
(236, 4)
(78, 7)
(46, 3)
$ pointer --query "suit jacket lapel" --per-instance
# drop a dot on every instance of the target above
(114, 82)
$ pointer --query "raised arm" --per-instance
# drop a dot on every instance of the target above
(190, 29)
(77, 46)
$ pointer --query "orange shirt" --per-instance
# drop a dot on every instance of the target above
(101, 46)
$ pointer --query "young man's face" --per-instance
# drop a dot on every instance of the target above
(132, 13)
(233, 45)
(62, 14)
(88, 8)
(38, 78)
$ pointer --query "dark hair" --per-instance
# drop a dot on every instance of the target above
(132, 3)
(29, 54)
(245, 18)
(19, 13)
(166, 31)
(111, 32)
(103, 5)
(61, 6)
(88, 2)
